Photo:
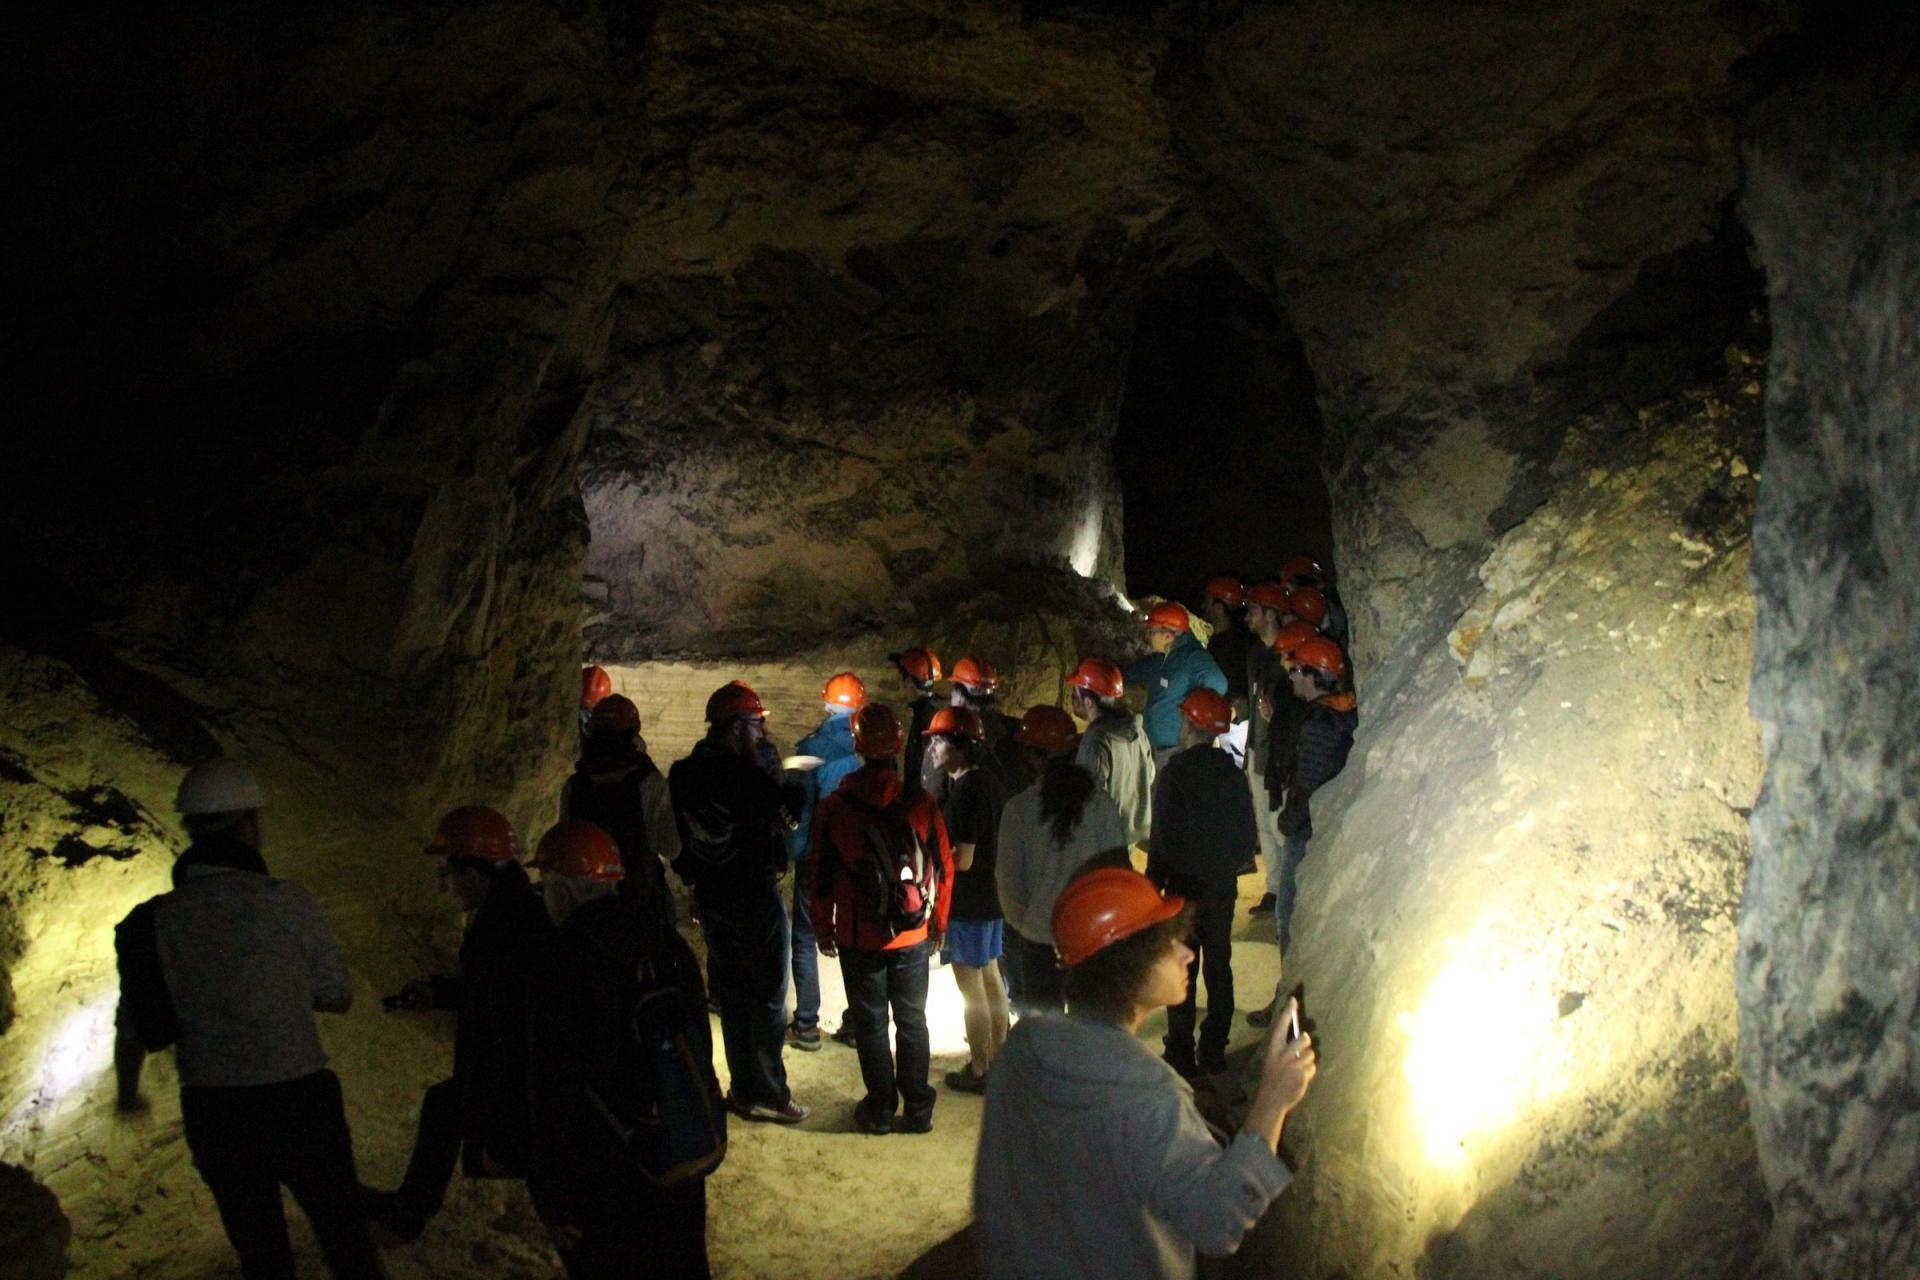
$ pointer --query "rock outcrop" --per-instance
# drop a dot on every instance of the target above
(1828, 976)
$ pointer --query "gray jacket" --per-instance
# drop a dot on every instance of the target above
(1115, 750)
(1094, 1162)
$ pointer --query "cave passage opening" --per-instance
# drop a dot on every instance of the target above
(1218, 441)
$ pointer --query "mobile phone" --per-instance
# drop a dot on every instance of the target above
(1293, 1021)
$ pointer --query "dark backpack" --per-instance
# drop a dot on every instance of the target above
(672, 1119)
(900, 874)
(612, 802)
(145, 1003)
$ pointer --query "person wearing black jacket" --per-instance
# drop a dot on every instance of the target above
(1225, 607)
(1203, 831)
(918, 669)
(617, 787)
(733, 822)
(478, 1116)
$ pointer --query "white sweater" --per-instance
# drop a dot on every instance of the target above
(1033, 868)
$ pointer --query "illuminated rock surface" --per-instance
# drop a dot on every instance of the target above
(364, 337)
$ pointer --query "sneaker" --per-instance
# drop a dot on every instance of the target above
(1264, 907)
(806, 1039)
(865, 1121)
(966, 1081)
(912, 1124)
(1263, 1017)
(1213, 1062)
(791, 1113)
(387, 1211)
(843, 1034)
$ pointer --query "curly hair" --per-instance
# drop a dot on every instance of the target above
(1106, 983)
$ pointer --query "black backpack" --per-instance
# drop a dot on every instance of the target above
(901, 879)
(145, 1003)
(672, 1119)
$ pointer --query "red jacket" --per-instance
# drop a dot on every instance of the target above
(840, 910)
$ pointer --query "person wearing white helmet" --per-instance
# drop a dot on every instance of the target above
(227, 970)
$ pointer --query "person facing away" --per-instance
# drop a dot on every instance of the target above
(478, 1116)
(733, 823)
(1176, 663)
(882, 887)
(1224, 605)
(831, 743)
(918, 669)
(617, 787)
(976, 935)
(1047, 832)
(1093, 1160)
(604, 1216)
(232, 965)
(1115, 748)
(1203, 831)
(1266, 604)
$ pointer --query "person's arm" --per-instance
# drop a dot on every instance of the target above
(560, 1026)
(823, 858)
(331, 984)
(943, 901)
(656, 810)
(1010, 873)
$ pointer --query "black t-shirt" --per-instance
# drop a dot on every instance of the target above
(972, 813)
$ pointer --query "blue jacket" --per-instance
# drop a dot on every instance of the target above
(1168, 677)
(832, 742)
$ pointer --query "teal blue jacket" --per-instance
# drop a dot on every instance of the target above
(1167, 677)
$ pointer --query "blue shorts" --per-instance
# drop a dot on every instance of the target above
(974, 942)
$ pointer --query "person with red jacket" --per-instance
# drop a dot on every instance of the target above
(882, 876)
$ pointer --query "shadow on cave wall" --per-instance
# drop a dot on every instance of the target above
(1218, 446)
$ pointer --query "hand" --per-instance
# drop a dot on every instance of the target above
(936, 940)
(413, 997)
(828, 947)
(1290, 1064)
(1265, 707)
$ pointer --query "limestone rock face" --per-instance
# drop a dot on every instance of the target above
(1828, 975)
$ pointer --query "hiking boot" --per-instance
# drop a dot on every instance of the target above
(966, 1081)
(843, 1034)
(912, 1124)
(1213, 1062)
(1264, 907)
(866, 1121)
(805, 1039)
(1181, 1060)
(394, 1216)
(766, 1112)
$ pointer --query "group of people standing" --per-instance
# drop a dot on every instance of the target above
(948, 829)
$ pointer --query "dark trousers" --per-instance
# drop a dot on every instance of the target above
(1039, 974)
(1293, 853)
(877, 981)
(436, 1149)
(747, 950)
(632, 1229)
(1213, 939)
(806, 959)
(249, 1140)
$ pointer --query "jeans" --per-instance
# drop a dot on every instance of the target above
(747, 958)
(248, 1140)
(875, 982)
(1291, 857)
(806, 957)
(1213, 940)
(1039, 975)
(436, 1149)
(1266, 823)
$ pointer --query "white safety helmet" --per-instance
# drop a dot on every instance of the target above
(219, 786)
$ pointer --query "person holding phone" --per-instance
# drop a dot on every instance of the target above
(1093, 1159)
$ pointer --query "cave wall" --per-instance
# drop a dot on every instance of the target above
(1828, 977)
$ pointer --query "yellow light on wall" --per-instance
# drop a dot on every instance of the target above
(1481, 1047)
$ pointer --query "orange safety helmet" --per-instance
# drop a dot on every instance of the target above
(1323, 655)
(1048, 729)
(475, 831)
(1307, 603)
(1303, 567)
(595, 684)
(922, 666)
(976, 674)
(962, 722)
(1269, 595)
(1098, 677)
(731, 700)
(579, 849)
(1207, 710)
(1169, 615)
(1102, 907)
(876, 732)
(1226, 590)
(1292, 636)
(846, 690)
(614, 713)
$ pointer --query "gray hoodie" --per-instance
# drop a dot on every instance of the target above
(1115, 750)
(1094, 1162)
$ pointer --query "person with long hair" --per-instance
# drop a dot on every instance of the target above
(976, 931)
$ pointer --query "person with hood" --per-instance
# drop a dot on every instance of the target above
(832, 745)
(481, 1110)
(1048, 832)
(1093, 1160)
(602, 1213)
(1203, 831)
(882, 887)
(918, 669)
(733, 822)
(976, 932)
(1177, 663)
(1114, 749)
(617, 787)
(228, 969)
